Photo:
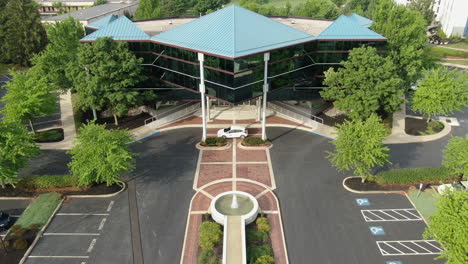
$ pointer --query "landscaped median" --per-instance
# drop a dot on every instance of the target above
(28, 226)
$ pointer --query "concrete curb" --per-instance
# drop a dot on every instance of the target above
(403, 138)
(254, 147)
(200, 147)
(15, 198)
(354, 191)
(39, 234)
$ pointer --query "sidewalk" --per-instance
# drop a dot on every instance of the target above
(68, 125)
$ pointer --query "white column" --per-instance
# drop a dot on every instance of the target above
(208, 106)
(266, 58)
(201, 58)
(259, 108)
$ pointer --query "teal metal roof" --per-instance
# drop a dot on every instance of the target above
(233, 32)
(119, 29)
(349, 28)
(102, 22)
(363, 21)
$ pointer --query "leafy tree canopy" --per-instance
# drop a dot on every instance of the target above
(16, 147)
(359, 146)
(424, 7)
(449, 226)
(406, 34)
(456, 155)
(317, 9)
(100, 155)
(441, 92)
(147, 9)
(366, 83)
(22, 31)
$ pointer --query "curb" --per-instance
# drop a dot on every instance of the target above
(354, 191)
(200, 147)
(123, 184)
(139, 139)
(39, 234)
(407, 139)
(239, 145)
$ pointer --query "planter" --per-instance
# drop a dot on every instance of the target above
(260, 147)
(419, 127)
(201, 147)
(355, 184)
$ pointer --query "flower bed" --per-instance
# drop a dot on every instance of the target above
(214, 142)
(255, 141)
(210, 250)
(258, 241)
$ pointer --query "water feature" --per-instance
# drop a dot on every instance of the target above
(234, 204)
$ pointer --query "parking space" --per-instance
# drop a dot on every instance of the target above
(14, 208)
(409, 247)
(385, 215)
(79, 227)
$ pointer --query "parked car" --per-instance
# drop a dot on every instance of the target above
(458, 186)
(5, 221)
(233, 132)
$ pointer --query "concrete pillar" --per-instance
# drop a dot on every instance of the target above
(259, 108)
(201, 58)
(266, 58)
(208, 106)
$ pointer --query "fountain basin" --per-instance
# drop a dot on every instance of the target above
(247, 207)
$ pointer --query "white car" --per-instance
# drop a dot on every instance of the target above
(459, 186)
(233, 132)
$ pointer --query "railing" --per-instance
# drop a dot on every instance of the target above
(171, 115)
(298, 115)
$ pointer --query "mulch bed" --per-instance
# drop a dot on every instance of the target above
(98, 189)
(333, 120)
(60, 130)
(415, 126)
(357, 185)
(125, 122)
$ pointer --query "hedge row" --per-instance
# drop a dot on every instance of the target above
(255, 141)
(417, 175)
(214, 141)
(47, 181)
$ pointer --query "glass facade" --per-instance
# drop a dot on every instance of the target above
(294, 73)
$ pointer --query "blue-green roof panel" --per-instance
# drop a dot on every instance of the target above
(119, 29)
(233, 32)
(347, 28)
(102, 22)
(363, 21)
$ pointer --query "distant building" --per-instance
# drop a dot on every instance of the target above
(453, 16)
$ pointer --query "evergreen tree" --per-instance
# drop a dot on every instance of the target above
(23, 32)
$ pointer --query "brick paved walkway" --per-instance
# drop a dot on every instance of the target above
(234, 169)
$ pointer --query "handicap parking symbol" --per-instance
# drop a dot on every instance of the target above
(377, 230)
(394, 262)
(362, 201)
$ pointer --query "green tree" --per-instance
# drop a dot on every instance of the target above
(23, 31)
(3, 35)
(441, 92)
(100, 155)
(406, 34)
(424, 7)
(27, 97)
(61, 52)
(16, 147)
(104, 75)
(361, 7)
(100, 2)
(449, 226)
(204, 5)
(147, 9)
(317, 9)
(365, 84)
(359, 146)
(456, 155)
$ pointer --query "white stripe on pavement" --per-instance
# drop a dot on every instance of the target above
(71, 234)
(401, 247)
(76, 257)
(76, 214)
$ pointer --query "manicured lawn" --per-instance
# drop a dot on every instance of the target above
(448, 52)
(39, 211)
(459, 45)
(425, 203)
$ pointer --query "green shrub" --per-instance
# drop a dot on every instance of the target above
(255, 236)
(265, 260)
(48, 181)
(254, 252)
(20, 244)
(254, 141)
(53, 135)
(205, 256)
(39, 211)
(263, 225)
(215, 141)
(417, 175)
(210, 234)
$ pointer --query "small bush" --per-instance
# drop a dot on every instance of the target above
(255, 236)
(48, 181)
(265, 260)
(20, 244)
(417, 175)
(205, 256)
(215, 141)
(263, 225)
(33, 227)
(254, 252)
(210, 234)
(20, 232)
(255, 141)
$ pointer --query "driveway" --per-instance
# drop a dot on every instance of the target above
(322, 221)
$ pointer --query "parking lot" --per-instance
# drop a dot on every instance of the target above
(13, 207)
(83, 229)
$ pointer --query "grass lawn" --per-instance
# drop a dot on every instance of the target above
(448, 52)
(459, 45)
(39, 211)
(425, 203)
(456, 62)
(277, 3)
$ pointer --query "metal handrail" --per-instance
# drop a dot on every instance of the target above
(155, 122)
(316, 118)
(308, 119)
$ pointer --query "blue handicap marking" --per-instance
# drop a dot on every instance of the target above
(394, 262)
(377, 230)
(362, 201)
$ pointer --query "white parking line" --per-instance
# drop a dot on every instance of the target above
(71, 234)
(75, 257)
(387, 215)
(91, 246)
(77, 214)
(408, 247)
(109, 207)
(101, 225)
